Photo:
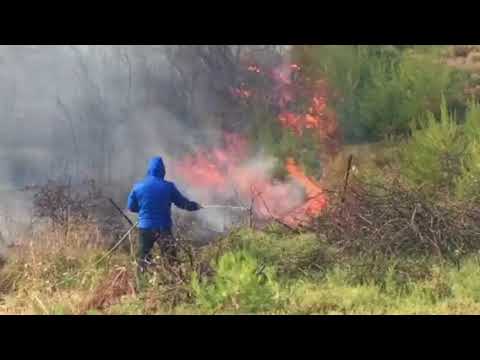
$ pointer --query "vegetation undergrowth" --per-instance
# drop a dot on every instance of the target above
(401, 239)
(250, 272)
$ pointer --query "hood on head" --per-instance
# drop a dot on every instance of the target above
(156, 167)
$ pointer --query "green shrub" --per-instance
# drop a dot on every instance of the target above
(432, 156)
(468, 183)
(399, 93)
(442, 155)
(240, 284)
(291, 254)
(382, 89)
(472, 122)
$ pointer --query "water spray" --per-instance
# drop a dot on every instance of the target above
(224, 207)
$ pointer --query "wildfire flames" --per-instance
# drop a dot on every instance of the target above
(226, 171)
(316, 200)
(315, 118)
(286, 91)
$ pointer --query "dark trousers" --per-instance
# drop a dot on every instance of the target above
(165, 241)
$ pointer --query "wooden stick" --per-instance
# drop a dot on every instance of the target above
(347, 176)
(120, 211)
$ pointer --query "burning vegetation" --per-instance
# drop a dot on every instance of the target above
(393, 233)
(228, 172)
(241, 80)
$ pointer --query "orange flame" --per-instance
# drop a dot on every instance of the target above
(318, 115)
(222, 169)
(316, 199)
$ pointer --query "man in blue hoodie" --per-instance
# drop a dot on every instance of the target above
(152, 198)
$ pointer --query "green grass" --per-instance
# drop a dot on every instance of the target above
(259, 272)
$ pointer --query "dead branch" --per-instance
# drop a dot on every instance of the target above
(347, 176)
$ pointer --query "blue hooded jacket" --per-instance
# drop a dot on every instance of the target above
(152, 198)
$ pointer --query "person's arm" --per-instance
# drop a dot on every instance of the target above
(182, 202)
(133, 202)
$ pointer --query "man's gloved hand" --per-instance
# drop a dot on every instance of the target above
(196, 206)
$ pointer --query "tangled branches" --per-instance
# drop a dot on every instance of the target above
(66, 204)
(391, 220)
(59, 202)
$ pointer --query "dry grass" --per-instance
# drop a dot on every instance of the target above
(119, 282)
(56, 266)
(365, 157)
(54, 260)
(465, 57)
(113, 287)
(52, 273)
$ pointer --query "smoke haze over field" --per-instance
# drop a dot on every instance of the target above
(64, 112)
(86, 111)
(100, 111)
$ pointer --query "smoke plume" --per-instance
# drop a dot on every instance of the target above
(101, 111)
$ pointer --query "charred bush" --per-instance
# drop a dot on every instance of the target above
(59, 202)
(65, 204)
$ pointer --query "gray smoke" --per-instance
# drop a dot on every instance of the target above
(100, 111)
(85, 111)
